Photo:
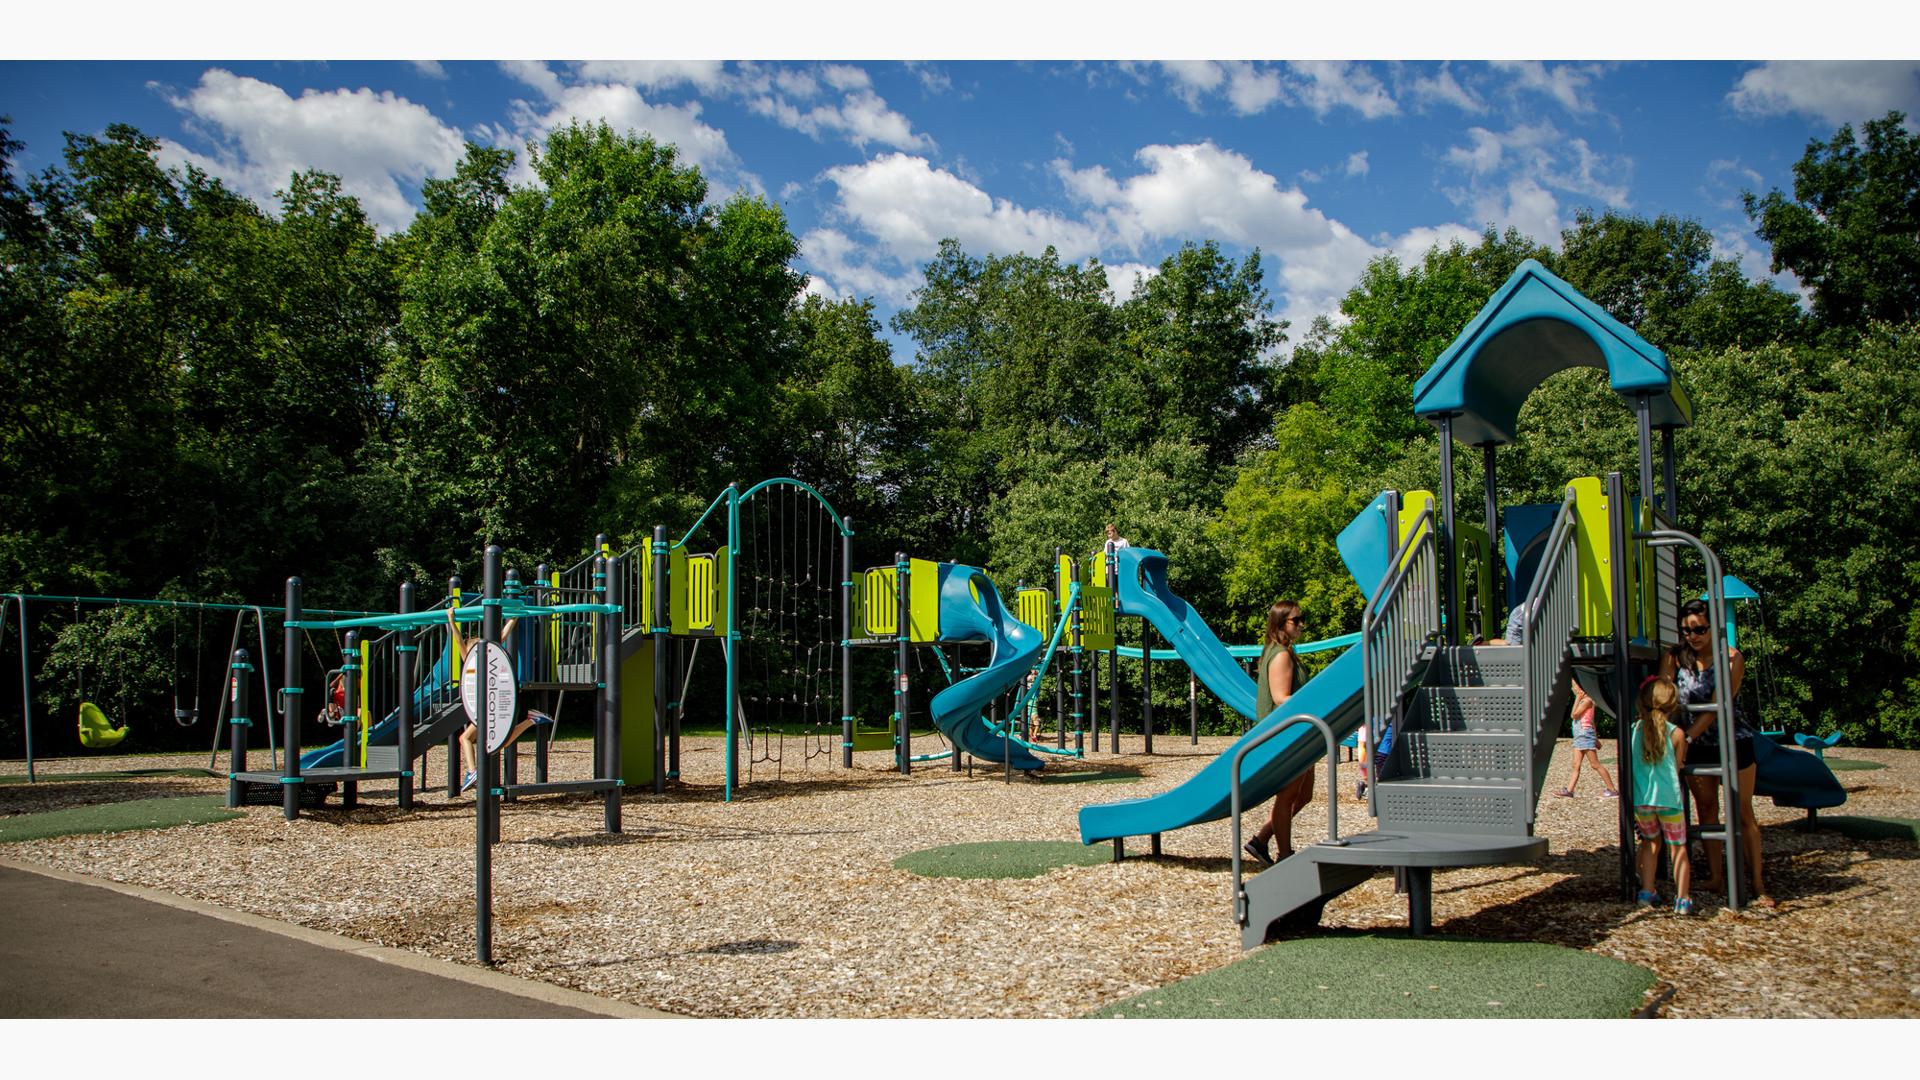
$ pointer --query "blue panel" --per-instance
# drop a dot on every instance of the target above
(957, 710)
(1525, 539)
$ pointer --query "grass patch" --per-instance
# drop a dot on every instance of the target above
(1001, 859)
(1367, 976)
(123, 774)
(117, 817)
(1871, 828)
(1852, 764)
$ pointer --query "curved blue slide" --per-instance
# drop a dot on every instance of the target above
(957, 709)
(1333, 695)
(388, 730)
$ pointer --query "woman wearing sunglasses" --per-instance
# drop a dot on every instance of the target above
(1279, 677)
(1690, 665)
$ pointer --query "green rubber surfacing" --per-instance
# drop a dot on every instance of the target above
(1366, 976)
(1001, 859)
(117, 817)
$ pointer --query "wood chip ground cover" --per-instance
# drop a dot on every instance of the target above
(786, 903)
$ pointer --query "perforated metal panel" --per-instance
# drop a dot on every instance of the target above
(1486, 666)
(1465, 757)
(1468, 709)
(1432, 808)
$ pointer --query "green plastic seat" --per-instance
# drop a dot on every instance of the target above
(96, 732)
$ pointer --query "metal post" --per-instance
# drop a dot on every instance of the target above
(1620, 534)
(404, 651)
(1079, 697)
(290, 706)
(483, 834)
(661, 676)
(453, 674)
(1671, 488)
(1449, 570)
(529, 647)
(239, 680)
(353, 690)
(610, 688)
(1643, 420)
(730, 639)
(846, 643)
(1146, 687)
(26, 690)
(1488, 476)
(510, 753)
(1113, 657)
(902, 739)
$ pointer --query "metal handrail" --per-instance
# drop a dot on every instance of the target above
(1399, 621)
(1722, 704)
(1233, 787)
(1555, 591)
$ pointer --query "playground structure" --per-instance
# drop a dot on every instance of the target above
(1460, 734)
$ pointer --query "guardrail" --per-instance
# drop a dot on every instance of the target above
(1399, 622)
(1553, 614)
(1233, 787)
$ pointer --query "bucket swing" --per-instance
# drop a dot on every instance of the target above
(96, 731)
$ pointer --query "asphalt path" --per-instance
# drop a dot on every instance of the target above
(74, 949)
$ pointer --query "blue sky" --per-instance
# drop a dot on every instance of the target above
(1321, 163)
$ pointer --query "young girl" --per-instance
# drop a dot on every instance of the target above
(470, 735)
(1586, 747)
(1658, 748)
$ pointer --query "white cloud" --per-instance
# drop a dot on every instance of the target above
(624, 110)
(909, 206)
(860, 117)
(843, 268)
(1443, 88)
(796, 82)
(1564, 83)
(1326, 85)
(1126, 278)
(534, 73)
(846, 77)
(1192, 79)
(932, 79)
(1412, 246)
(374, 142)
(1725, 180)
(707, 75)
(1357, 163)
(1517, 177)
(429, 69)
(1252, 89)
(1834, 91)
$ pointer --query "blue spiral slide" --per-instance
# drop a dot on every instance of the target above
(957, 709)
(388, 730)
(1333, 695)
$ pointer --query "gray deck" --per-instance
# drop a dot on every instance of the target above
(1429, 849)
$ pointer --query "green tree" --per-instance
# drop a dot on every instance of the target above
(1851, 232)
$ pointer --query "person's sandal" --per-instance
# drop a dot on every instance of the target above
(1647, 899)
(1563, 793)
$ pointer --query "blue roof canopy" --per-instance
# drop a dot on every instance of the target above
(1536, 326)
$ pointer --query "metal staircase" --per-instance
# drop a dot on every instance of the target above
(1460, 779)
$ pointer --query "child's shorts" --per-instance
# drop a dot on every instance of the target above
(1658, 822)
(1585, 736)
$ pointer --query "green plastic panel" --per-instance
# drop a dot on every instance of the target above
(1096, 615)
(882, 616)
(1476, 554)
(677, 616)
(722, 596)
(1594, 546)
(1064, 575)
(923, 601)
(636, 717)
(1035, 608)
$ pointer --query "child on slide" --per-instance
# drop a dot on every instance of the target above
(1658, 747)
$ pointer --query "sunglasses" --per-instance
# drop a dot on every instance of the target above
(1693, 631)
(1298, 621)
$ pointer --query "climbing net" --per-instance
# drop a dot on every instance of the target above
(788, 574)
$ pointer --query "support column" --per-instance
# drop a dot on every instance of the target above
(404, 650)
(239, 676)
(902, 737)
(1671, 489)
(610, 689)
(1449, 569)
(290, 703)
(1146, 683)
(846, 643)
(1489, 478)
(662, 677)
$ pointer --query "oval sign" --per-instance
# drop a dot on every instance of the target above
(502, 691)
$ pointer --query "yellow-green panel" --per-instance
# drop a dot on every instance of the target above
(553, 628)
(1035, 608)
(923, 600)
(1097, 569)
(643, 619)
(882, 602)
(700, 592)
(636, 717)
(1064, 577)
(454, 645)
(1476, 551)
(1096, 613)
(1646, 586)
(722, 596)
(1412, 505)
(678, 570)
(1594, 547)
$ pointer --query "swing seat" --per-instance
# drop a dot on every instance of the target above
(1818, 744)
(872, 740)
(96, 732)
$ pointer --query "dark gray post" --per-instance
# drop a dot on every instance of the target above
(1419, 900)
(1113, 656)
(26, 691)
(239, 682)
(1079, 684)
(290, 703)
(483, 833)
(1449, 563)
(661, 676)
(1488, 477)
(1146, 683)
(610, 688)
(404, 650)
(453, 675)
(1672, 489)
(1620, 533)
(846, 643)
(510, 753)
(903, 740)
(350, 718)
(1093, 699)
(1643, 420)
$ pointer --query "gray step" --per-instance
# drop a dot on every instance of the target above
(1478, 665)
(1467, 708)
(1464, 756)
(1487, 807)
(1298, 886)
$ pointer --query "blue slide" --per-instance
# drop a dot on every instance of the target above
(386, 731)
(1794, 777)
(957, 709)
(1333, 695)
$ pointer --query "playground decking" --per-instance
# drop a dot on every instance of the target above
(786, 903)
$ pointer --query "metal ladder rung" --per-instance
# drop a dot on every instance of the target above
(1714, 771)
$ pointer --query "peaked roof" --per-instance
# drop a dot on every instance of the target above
(1536, 326)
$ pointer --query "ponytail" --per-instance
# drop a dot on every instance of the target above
(1658, 700)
